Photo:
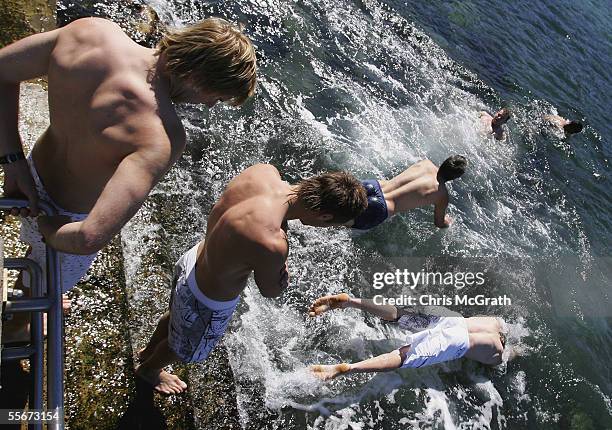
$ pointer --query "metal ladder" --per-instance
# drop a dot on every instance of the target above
(42, 300)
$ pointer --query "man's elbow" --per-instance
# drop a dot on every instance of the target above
(89, 242)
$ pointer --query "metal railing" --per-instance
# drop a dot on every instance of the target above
(42, 300)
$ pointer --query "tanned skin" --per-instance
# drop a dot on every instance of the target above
(113, 129)
(417, 186)
(246, 233)
(492, 125)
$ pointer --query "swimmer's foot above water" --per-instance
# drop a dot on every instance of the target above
(326, 372)
(326, 303)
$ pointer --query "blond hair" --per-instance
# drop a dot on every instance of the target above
(337, 193)
(212, 55)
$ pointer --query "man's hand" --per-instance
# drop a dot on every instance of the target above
(447, 221)
(18, 183)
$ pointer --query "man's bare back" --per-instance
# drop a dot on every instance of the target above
(113, 128)
(416, 186)
(246, 232)
(104, 106)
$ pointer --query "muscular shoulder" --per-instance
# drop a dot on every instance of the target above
(90, 30)
(91, 47)
(272, 247)
(259, 169)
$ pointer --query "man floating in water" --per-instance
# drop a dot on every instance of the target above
(492, 125)
(434, 339)
(246, 233)
(568, 127)
(421, 184)
(113, 132)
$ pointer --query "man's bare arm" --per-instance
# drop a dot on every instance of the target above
(270, 267)
(25, 59)
(121, 198)
(441, 220)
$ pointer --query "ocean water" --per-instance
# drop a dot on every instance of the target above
(371, 87)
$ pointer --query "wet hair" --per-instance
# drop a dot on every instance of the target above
(452, 168)
(504, 111)
(339, 194)
(212, 55)
(572, 127)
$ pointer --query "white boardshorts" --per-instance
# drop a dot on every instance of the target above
(72, 267)
(445, 339)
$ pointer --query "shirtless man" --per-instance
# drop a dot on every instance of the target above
(113, 128)
(568, 127)
(434, 339)
(420, 185)
(246, 233)
(492, 125)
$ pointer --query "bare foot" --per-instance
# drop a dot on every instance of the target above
(326, 303)
(326, 372)
(162, 381)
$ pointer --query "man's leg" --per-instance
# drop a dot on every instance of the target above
(343, 300)
(160, 333)
(152, 369)
(381, 363)
(17, 329)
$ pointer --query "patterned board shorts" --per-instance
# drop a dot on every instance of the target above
(197, 323)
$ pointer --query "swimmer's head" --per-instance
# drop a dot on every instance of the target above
(452, 168)
(212, 55)
(501, 117)
(572, 127)
(331, 199)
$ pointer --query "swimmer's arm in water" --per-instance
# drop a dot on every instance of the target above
(381, 363)
(121, 198)
(441, 220)
(25, 59)
(270, 267)
(500, 134)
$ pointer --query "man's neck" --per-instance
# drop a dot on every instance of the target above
(295, 207)
(157, 76)
(177, 91)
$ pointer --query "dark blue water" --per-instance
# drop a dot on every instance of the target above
(372, 87)
(557, 52)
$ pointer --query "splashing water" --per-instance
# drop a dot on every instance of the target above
(357, 86)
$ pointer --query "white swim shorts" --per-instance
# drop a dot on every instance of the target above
(197, 322)
(445, 339)
(72, 267)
